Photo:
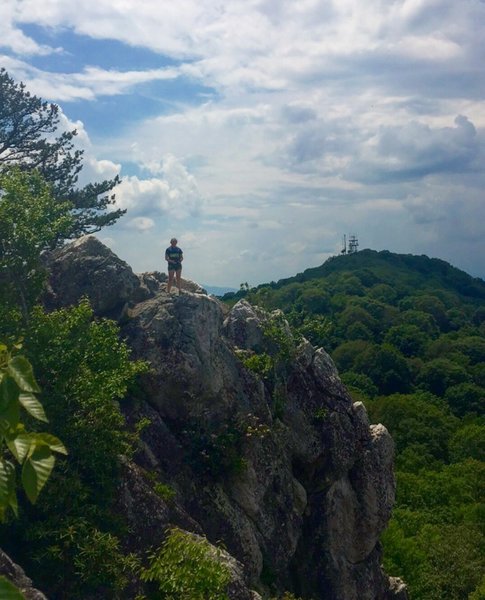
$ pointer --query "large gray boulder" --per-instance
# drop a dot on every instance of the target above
(291, 478)
(88, 268)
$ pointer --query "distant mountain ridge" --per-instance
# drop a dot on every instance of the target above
(386, 267)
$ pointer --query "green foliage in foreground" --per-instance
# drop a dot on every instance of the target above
(84, 368)
(187, 566)
(71, 541)
(261, 364)
(8, 591)
(34, 452)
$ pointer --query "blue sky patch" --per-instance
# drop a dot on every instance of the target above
(81, 50)
(108, 115)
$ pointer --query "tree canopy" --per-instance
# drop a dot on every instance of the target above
(31, 138)
(30, 221)
(407, 336)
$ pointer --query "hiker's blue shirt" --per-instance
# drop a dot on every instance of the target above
(174, 255)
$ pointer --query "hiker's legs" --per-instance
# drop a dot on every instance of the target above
(170, 280)
(178, 274)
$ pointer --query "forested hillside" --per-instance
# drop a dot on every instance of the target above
(407, 334)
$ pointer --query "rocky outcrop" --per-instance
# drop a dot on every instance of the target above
(284, 469)
(88, 268)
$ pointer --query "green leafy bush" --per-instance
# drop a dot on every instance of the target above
(187, 566)
(84, 369)
(316, 329)
(360, 382)
(439, 374)
(166, 492)
(408, 339)
(466, 398)
(215, 450)
(468, 442)
(77, 558)
(415, 419)
(261, 364)
(281, 341)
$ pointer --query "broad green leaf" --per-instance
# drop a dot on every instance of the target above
(9, 404)
(7, 480)
(9, 392)
(11, 415)
(33, 406)
(21, 370)
(19, 445)
(52, 441)
(8, 591)
(36, 471)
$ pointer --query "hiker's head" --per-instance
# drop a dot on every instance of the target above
(173, 241)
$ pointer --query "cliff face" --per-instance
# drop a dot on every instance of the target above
(287, 472)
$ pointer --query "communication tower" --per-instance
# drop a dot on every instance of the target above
(352, 247)
(353, 244)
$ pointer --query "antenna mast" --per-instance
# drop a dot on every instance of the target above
(353, 244)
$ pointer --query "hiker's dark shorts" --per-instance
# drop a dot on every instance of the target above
(172, 267)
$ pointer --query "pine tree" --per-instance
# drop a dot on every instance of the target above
(30, 137)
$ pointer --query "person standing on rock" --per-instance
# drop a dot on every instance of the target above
(174, 256)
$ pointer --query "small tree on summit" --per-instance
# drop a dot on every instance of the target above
(31, 220)
(30, 138)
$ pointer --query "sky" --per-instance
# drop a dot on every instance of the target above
(260, 132)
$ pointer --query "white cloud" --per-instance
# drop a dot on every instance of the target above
(89, 84)
(176, 194)
(323, 117)
(97, 170)
(416, 150)
(252, 44)
(429, 48)
(12, 37)
(141, 223)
